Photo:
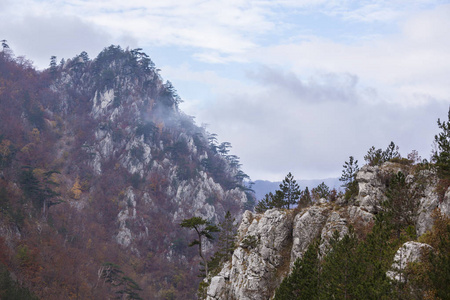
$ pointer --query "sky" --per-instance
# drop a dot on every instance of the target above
(294, 85)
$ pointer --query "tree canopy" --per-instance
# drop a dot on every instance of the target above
(204, 229)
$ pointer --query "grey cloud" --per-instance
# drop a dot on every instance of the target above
(322, 88)
(276, 134)
(4, 4)
(63, 36)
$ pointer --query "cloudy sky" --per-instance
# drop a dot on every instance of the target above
(295, 85)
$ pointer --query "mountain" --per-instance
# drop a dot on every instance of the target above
(263, 187)
(98, 167)
(369, 246)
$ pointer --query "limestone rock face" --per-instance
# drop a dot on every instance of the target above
(408, 252)
(307, 226)
(335, 222)
(373, 180)
(252, 274)
(445, 205)
(270, 243)
(371, 188)
(428, 203)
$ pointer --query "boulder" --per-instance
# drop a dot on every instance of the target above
(407, 253)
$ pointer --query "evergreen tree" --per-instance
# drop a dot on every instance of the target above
(4, 44)
(264, 204)
(349, 177)
(341, 272)
(10, 289)
(287, 195)
(321, 191)
(375, 255)
(123, 286)
(376, 157)
(204, 229)
(84, 56)
(290, 191)
(279, 200)
(305, 199)
(441, 155)
(53, 65)
(303, 282)
(403, 201)
(391, 152)
(270, 201)
(225, 243)
(439, 272)
(40, 193)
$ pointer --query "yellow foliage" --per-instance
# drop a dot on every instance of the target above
(76, 189)
(4, 148)
(39, 173)
(27, 148)
(160, 126)
(35, 135)
(89, 244)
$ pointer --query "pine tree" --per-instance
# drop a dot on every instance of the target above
(321, 191)
(441, 156)
(403, 201)
(375, 255)
(349, 177)
(204, 229)
(391, 152)
(439, 273)
(303, 282)
(341, 272)
(290, 191)
(225, 244)
(123, 286)
(264, 204)
(53, 65)
(305, 199)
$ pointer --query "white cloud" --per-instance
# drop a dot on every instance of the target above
(275, 133)
(219, 26)
(307, 103)
(414, 61)
(63, 36)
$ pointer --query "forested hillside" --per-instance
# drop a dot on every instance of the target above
(98, 168)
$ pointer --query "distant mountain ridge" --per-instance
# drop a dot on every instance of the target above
(263, 187)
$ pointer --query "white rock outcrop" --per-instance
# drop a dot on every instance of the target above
(259, 263)
(407, 253)
(252, 274)
(371, 188)
(307, 226)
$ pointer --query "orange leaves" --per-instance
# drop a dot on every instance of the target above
(160, 126)
(76, 189)
(4, 148)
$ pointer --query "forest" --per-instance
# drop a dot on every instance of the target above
(98, 167)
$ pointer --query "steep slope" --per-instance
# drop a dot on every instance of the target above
(98, 165)
(270, 243)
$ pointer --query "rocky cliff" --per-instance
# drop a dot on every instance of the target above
(270, 243)
(98, 158)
